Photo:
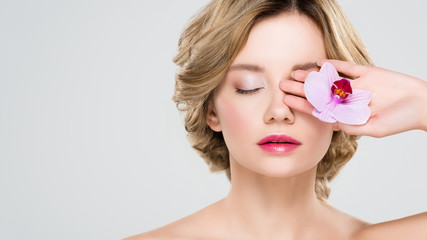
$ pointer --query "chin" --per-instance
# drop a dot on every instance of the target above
(284, 168)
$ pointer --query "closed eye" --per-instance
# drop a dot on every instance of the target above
(252, 91)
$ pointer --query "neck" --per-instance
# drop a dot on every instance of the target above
(261, 205)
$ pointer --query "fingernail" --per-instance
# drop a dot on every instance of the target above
(292, 74)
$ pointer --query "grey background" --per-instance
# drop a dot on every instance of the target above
(92, 147)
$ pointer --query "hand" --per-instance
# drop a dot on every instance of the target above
(398, 103)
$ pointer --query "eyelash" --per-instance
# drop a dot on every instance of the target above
(252, 91)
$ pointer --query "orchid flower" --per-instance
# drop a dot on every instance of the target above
(333, 98)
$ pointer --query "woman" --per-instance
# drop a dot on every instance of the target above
(241, 83)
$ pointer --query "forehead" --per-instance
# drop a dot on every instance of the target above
(281, 41)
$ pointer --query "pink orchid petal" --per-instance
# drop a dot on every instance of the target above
(359, 97)
(317, 90)
(352, 114)
(330, 72)
(322, 117)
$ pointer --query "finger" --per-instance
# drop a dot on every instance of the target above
(360, 130)
(293, 87)
(375, 127)
(298, 103)
(299, 75)
(347, 68)
(392, 120)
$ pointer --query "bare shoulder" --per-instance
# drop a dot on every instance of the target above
(194, 226)
(338, 224)
(168, 231)
(412, 227)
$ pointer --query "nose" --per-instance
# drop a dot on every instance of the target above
(277, 110)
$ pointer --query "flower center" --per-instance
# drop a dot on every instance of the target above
(342, 88)
(340, 93)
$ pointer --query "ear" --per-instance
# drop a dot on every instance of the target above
(212, 118)
(335, 127)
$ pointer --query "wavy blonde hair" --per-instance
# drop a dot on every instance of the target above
(210, 43)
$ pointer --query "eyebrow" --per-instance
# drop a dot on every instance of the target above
(305, 66)
(246, 67)
(259, 69)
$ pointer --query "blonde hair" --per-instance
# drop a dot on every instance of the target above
(211, 42)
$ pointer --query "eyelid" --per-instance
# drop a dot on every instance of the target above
(249, 83)
(249, 92)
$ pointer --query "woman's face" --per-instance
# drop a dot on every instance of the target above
(248, 105)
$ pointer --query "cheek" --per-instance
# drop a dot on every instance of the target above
(233, 116)
(318, 135)
(237, 118)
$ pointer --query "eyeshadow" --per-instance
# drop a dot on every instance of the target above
(248, 81)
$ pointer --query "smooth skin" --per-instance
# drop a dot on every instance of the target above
(273, 198)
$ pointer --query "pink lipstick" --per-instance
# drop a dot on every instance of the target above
(278, 144)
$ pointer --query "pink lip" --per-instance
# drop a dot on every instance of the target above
(278, 144)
